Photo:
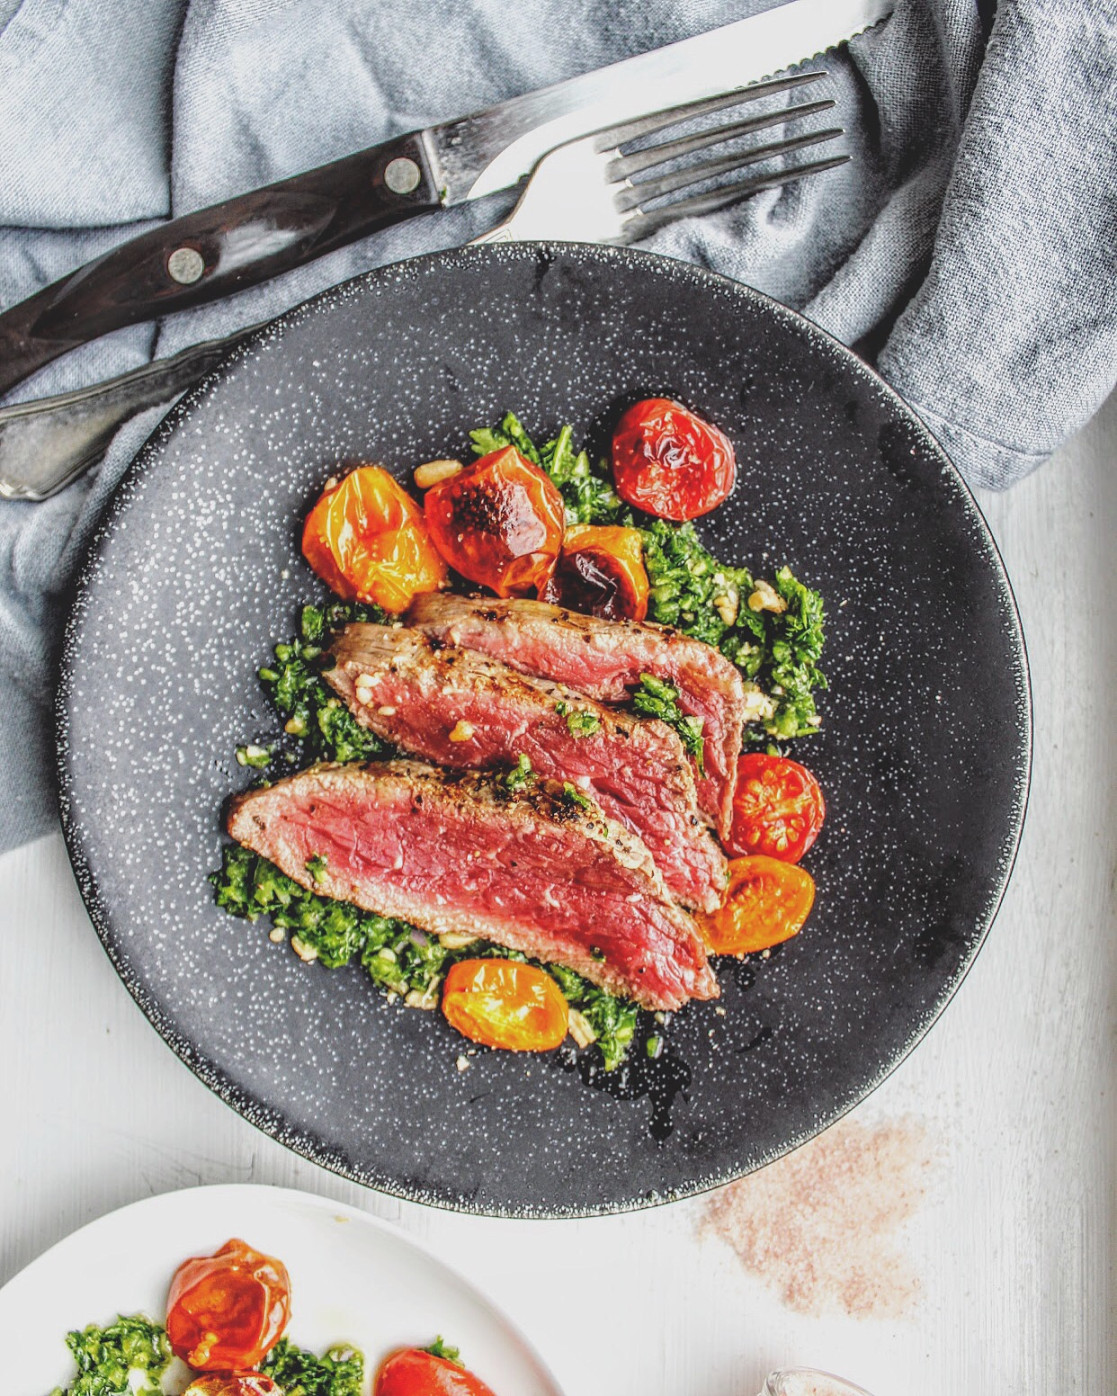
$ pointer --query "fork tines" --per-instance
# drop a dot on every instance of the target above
(634, 195)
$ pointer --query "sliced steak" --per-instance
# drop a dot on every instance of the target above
(462, 709)
(450, 852)
(605, 658)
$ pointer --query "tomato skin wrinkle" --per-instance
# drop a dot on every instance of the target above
(368, 541)
(601, 573)
(498, 522)
(413, 1372)
(506, 1004)
(778, 807)
(225, 1312)
(670, 462)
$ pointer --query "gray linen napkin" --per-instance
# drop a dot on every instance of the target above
(969, 248)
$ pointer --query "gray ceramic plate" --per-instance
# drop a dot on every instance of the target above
(923, 753)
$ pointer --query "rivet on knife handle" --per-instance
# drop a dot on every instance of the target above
(219, 250)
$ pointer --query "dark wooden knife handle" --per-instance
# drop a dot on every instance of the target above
(219, 250)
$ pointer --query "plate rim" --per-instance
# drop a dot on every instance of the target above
(273, 1121)
(277, 1197)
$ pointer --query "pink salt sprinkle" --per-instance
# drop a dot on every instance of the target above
(820, 1227)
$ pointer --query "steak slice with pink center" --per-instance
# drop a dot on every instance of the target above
(604, 659)
(462, 709)
(454, 852)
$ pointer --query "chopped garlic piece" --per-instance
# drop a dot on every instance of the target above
(727, 605)
(426, 998)
(463, 732)
(759, 707)
(455, 940)
(766, 598)
(580, 1029)
(433, 472)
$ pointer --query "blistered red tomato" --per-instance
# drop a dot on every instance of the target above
(601, 573)
(413, 1372)
(499, 522)
(669, 462)
(767, 902)
(502, 1003)
(778, 807)
(368, 541)
(242, 1384)
(226, 1311)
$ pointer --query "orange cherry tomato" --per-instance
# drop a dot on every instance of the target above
(243, 1384)
(503, 1003)
(767, 902)
(367, 539)
(778, 807)
(669, 462)
(601, 573)
(413, 1372)
(226, 1311)
(499, 522)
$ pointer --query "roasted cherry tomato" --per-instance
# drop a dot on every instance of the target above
(243, 1384)
(367, 539)
(226, 1311)
(669, 462)
(767, 902)
(499, 522)
(778, 808)
(601, 573)
(503, 1003)
(413, 1372)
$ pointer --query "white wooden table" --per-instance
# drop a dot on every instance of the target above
(1015, 1086)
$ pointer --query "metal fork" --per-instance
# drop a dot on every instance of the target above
(583, 191)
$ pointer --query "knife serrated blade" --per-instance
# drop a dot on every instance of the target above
(491, 150)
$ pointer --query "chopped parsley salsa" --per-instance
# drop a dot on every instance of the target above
(660, 698)
(316, 717)
(130, 1356)
(127, 1358)
(338, 1372)
(776, 645)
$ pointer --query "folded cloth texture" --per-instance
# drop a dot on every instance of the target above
(969, 249)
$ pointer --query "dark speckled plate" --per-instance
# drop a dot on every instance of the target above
(923, 754)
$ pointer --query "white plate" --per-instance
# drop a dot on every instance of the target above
(353, 1279)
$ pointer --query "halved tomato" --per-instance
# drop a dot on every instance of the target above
(499, 522)
(368, 541)
(226, 1311)
(415, 1372)
(601, 573)
(503, 1003)
(767, 902)
(778, 807)
(669, 462)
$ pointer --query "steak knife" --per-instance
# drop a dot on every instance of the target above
(242, 241)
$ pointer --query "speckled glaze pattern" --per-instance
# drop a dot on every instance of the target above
(924, 751)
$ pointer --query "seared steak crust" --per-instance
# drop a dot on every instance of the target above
(604, 659)
(459, 852)
(462, 709)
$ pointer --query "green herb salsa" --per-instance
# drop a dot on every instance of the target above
(129, 1358)
(777, 647)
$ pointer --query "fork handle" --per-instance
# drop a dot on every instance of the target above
(218, 250)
